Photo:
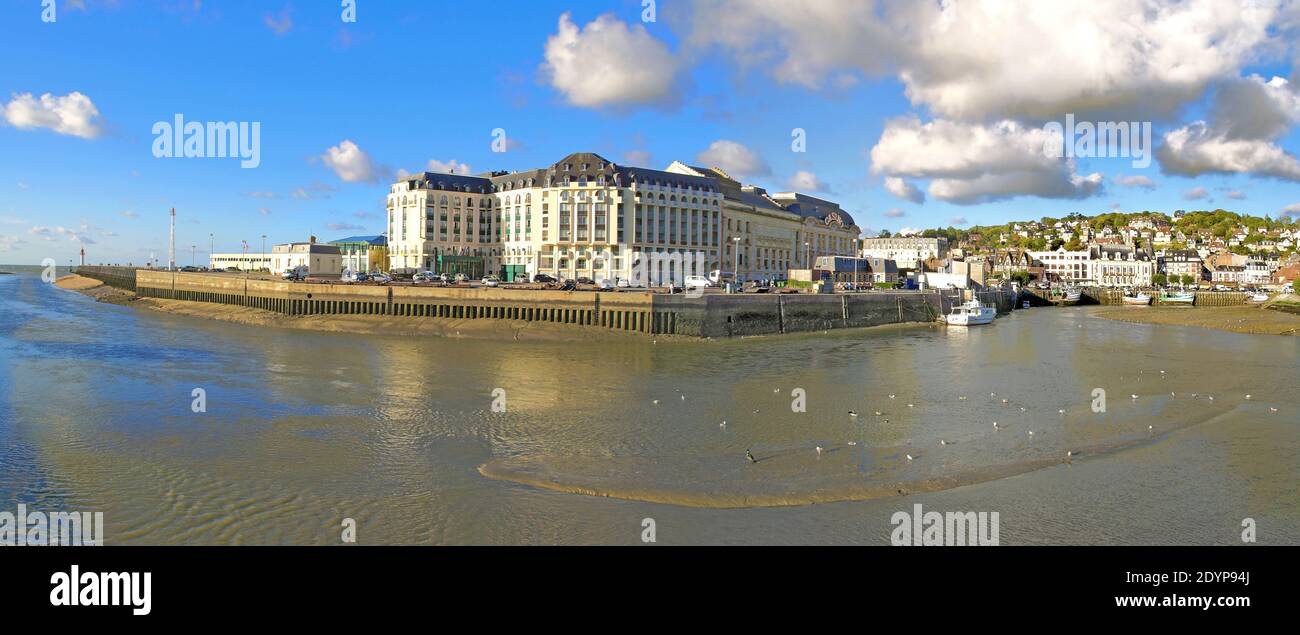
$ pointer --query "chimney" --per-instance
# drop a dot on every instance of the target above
(312, 240)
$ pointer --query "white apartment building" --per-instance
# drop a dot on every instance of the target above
(1102, 265)
(240, 261)
(908, 251)
(585, 216)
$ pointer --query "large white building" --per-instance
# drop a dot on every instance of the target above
(908, 251)
(585, 216)
(1102, 265)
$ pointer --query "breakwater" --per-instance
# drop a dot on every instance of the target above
(710, 315)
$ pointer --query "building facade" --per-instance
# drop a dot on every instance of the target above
(1176, 263)
(909, 252)
(242, 262)
(363, 253)
(585, 216)
(320, 260)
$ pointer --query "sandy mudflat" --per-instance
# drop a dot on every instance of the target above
(95, 289)
(1238, 319)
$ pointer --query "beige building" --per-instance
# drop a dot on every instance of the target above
(320, 260)
(587, 217)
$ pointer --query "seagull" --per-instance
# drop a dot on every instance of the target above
(1069, 454)
(891, 396)
(909, 457)
(878, 413)
(1172, 395)
(1031, 433)
(993, 394)
(756, 411)
(1211, 397)
(909, 405)
(750, 455)
(656, 402)
(1150, 428)
(1134, 396)
(995, 426)
(1162, 372)
(853, 442)
(819, 451)
(1272, 409)
(1061, 411)
(1022, 408)
(853, 413)
(1004, 401)
(722, 425)
(1194, 395)
(962, 398)
(942, 442)
(1247, 396)
(683, 397)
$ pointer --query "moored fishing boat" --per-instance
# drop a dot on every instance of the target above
(1181, 297)
(1071, 296)
(970, 314)
(1140, 299)
(1257, 297)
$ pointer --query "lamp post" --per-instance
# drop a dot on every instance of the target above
(192, 248)
(263, 258)
(807, 262)
(244, 258)
(736, 273)
(212, 239)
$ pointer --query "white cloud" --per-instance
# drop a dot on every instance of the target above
(279, 24)
(49, 234)
(351, 163)
(734, 158)
(968, 60)
(903, 189)
(640, 158)
(343, 227)
(1197, 149)
(957, 220)
(453, 166)
(8, 243)
(128, 214)
(1292, 210)
(1135, 180)
(72, 114)
(909, 231)
(1196, 194)
(893, 213)
(1236, 195)
(1246, 119)
(977, 163)
(805, 181)
(608, 64)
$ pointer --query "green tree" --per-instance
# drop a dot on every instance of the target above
(1295, 285)
(1160, 279)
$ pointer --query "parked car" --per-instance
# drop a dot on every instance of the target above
(424, 276)
(697, 282)
(355, 276)
(381, 278)
(541, 277)
(584, 280)
(490, 281)
(568, 285)
(605, 284)
(296, 273)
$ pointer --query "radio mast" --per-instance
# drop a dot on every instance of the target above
(171, 244)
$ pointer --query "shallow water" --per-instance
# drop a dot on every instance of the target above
(304, 429)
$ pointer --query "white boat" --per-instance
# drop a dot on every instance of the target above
(1140, 299)
(1258, 297)
(1182, 297)
(970, 314)
(1071, 296)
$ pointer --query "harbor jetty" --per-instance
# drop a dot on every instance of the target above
(639, 312)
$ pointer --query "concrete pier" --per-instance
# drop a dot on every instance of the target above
(712, 315)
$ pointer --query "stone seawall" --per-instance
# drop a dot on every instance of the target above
(711, 315)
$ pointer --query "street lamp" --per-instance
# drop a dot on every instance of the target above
(807, 262)
(736, 274)
(263, 258)
(243, 261)
(212, 239)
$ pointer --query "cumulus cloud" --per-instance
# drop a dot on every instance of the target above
(805, 181)
(351, 163)
(1136, 180)
(977, 163)
(1196, 194)
(52, 234)
(1292, 210)
(734, 158)
(903, 189)
(1236, 195)
(448, 167)
(1247, 118)
(893, 213)
(967, 60)
(73, 114)
(606, 63)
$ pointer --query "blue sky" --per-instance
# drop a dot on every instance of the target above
(413, 82)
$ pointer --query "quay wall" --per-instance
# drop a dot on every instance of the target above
(120, 277)
(710, 315)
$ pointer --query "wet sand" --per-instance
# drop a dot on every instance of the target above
(95, 289)
(1254, 320)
